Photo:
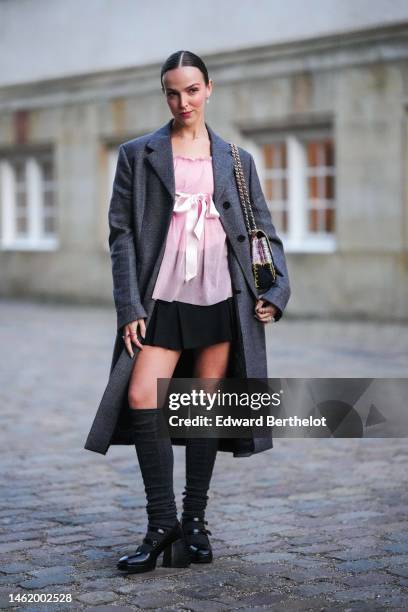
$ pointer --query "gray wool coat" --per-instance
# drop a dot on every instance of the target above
(139, 217)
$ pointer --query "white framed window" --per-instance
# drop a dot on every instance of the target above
(28, 201)
(112, 153)
(298, 174)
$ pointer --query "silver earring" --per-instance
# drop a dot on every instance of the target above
(208, 99)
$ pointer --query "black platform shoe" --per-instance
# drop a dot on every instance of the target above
(170, 542)
(198, 544)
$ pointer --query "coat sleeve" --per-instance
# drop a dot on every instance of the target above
(279, 294)
(122, 248)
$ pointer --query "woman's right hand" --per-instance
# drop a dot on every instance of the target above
(130, 333)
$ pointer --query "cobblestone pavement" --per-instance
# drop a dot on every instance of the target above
(308, 525)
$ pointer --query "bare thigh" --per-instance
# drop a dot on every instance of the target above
(212, 361)
(152, 362)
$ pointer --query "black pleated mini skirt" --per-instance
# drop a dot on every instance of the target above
(178, 325)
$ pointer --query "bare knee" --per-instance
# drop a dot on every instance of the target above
(142, 398)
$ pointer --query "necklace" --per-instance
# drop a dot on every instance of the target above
(189, 139)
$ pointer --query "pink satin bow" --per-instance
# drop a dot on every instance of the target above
(189, 203)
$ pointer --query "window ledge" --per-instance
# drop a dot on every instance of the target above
(47, 244)
(310, 245)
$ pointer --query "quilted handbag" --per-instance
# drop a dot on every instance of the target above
(263, 267)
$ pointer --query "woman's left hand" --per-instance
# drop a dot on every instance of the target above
(265, 311)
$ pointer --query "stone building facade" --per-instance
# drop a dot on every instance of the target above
(325, 118)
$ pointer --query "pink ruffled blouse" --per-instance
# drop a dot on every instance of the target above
(194, 268)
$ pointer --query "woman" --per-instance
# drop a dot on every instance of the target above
(186, 304)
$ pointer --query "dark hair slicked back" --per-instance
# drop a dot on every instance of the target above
(183, 58)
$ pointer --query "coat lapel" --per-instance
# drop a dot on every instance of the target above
(161, 159)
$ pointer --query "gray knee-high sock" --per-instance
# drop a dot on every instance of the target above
(155, 454)
(200, 459)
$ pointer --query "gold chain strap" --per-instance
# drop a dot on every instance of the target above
(243, 191)
(261, 250)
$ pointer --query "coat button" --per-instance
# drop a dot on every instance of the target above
(241, 238)
(226, 205)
